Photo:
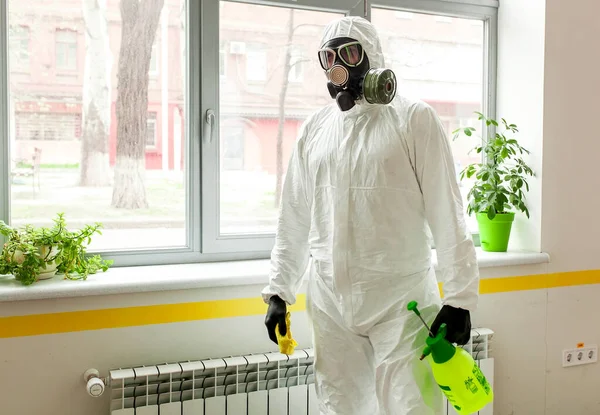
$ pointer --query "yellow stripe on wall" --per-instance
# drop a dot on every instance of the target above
(539, 282)
(112, 318)
(73, 321)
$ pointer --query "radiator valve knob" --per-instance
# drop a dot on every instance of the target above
(94, 385)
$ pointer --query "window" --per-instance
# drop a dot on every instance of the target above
(153, 71)
(296, 74)
(151, 130)
(46, 126)
(94, 123)
(19, 43)
(66, 49)
(208, 188)
(256, 63)
(442, 64)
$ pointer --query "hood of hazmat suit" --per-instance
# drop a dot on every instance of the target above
(364, 192)
(351, 74)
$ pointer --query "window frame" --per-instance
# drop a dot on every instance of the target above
(4, 116)
(202, 143)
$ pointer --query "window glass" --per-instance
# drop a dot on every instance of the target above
(93, 137)
(263, 102)
(439, 60)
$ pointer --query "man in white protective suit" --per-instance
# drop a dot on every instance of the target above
(370, 180)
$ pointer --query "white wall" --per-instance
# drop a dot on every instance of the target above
(529, 326)
(43, 374)
(520, 99)
(571, 136)
(51, 366)
(570, 200)
(558, 104)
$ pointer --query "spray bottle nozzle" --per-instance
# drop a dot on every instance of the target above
(426, 353)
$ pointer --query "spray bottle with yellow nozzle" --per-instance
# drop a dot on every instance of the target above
(455, 371)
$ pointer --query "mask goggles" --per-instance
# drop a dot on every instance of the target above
(351, 54)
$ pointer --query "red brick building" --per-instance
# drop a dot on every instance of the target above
(47, 49)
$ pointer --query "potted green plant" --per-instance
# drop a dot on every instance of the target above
(500, 182)
(34, 253)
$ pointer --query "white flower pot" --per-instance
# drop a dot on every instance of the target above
(51, 266)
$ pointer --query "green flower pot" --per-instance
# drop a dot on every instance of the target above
(494, 234)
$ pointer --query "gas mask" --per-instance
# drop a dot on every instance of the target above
(350, 77)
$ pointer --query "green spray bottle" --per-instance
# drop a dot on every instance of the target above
(455, 371)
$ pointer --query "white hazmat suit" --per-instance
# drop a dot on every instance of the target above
(364, 190)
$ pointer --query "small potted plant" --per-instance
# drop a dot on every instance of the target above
(34, 253)
(500, 183)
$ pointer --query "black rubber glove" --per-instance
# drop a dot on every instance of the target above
(276, 315)
(458, 324)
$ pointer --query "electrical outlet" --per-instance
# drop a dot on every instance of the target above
(580, 356)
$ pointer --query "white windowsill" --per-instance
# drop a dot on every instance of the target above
(191, 276)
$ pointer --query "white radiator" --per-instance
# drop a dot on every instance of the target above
(257, 384)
